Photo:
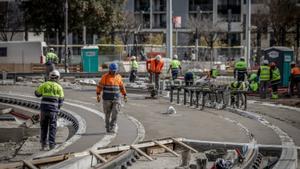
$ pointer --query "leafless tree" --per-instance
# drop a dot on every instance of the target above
(205, 27)
(10, 21)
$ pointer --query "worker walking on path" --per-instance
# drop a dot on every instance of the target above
(51, 61)
(189, 78)
(275, 80)
(265, 75)
(295, 79)
(155, 67)
(240, 70)
(175, 66)
(214, 72)
(134, 68)
(111, 85)
(52, 99)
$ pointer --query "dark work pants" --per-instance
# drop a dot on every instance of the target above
(263, 89)
(295, 82)
(48, 127)
(49, 68)
(132, 76)
(175, 73)
(241, 77)
(154, 77)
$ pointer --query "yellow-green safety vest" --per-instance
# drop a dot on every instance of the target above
(240, 65)
(134, 65)
(52, 57)
(214, 73)
(175, 64)
(276, 74)
(264, 73)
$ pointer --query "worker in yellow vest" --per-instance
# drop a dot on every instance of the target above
(265, 75)
(175, 66)
(275, 80)
(134, 67)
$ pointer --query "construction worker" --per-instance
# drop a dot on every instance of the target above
(214, 72)
(51, 61)
(189, 78)
(175, 66)
(275, 80)
(295, 79)
(265, 75)
(155, 67)
(253, 82)
(111, 85)
(134, 67)
(240, 70)
(52, 99)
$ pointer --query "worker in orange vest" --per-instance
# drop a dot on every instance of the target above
(154, 67)
(111, 85)
(295, 78)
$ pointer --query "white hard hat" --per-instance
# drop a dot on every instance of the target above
(51, 50)
(265, 62)
(54, 75)
(175, 57)
(158, 57)
(293, 63)
(133, 57)
(242, 58)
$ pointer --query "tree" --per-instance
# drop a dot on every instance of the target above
(99, 16)
(207, 30)
(281, 17)
(10, 22)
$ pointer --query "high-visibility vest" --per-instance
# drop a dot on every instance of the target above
(134, 65)
(214, 73)
(156, 66)
(276, 74)
(175, 64)
(264, 73)
(240, 65)
(51, 57)
(295, 71)
(112, 86)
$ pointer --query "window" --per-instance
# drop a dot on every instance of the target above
(3, 52)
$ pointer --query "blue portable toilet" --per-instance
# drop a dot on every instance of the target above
(282, 56)
(89, 57)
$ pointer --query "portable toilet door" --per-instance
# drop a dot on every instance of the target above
(90, 62)
(283, 57)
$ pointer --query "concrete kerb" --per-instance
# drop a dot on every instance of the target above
(289, 157)
(77, 122)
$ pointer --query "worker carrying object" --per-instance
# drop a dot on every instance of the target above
(51, 61)
(52, 99)
(214, 72)
(265, 75)
(275, 80)
(253, 82)
(175, 66)
(134, 68)
(110, 86)
(240, 70)
(295, 78)
(155, 67)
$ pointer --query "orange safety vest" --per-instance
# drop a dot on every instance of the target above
(295, 71)
(112, 86)
(154, 66)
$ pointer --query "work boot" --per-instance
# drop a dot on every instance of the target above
(107, 130)
(43, 147)
(274, 96)
(51, 147)
(113, 129)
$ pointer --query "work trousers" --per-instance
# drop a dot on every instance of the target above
(263, 89)
(132, 76)
(155, 77)
(295, 82)
(175, 73)
(48, 127)
(49, 68)
(111, 109)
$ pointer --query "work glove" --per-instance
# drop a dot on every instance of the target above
(125, 99)
(98, 98)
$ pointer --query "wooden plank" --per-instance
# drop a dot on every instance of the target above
(99, 157)
(29, 164)
(184, 145)
(45, 160)
(167, 148)
(141, 152)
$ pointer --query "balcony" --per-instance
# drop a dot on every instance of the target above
(202, 7)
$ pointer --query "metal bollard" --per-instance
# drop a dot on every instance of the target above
(178, 93)
(171, 93)
(191, 97)
(197, 99)
(184, 96)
